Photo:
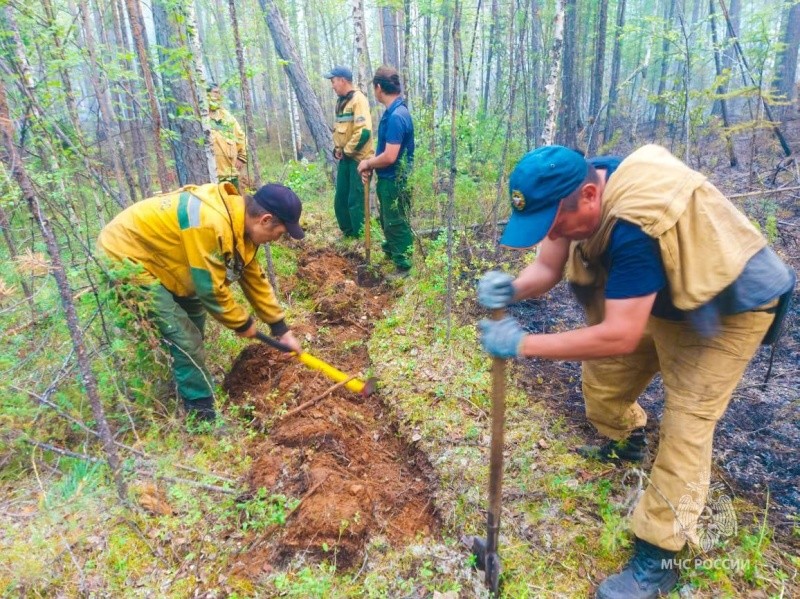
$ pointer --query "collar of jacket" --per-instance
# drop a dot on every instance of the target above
(343, 100)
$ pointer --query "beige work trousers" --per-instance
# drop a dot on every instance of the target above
(699, 377)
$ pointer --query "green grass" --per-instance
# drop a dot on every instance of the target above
(64, 533)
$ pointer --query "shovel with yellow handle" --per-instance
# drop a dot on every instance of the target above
(365, 388)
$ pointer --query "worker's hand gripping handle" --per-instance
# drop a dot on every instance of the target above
(274, 342)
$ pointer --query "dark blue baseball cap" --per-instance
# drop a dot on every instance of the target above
(282, 203)
(339, 71)
(538, 183)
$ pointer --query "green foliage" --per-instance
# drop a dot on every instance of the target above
(79, 477)
(306, 178)
(309, 582)
(264, 510)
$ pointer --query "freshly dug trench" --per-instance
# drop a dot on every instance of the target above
(342, 456)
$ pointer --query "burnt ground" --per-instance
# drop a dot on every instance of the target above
(342, 457)
(755, 443)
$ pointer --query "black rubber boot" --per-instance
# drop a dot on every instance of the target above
(632, 449)
(650, 574)
(200, 410)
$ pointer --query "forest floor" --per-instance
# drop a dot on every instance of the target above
(371, 496)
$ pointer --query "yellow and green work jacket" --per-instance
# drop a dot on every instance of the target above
(353, 131)
(705, 241)
(192, 241)
(228, 141)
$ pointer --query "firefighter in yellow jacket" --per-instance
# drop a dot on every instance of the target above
(675, 279)
(189, 246)
(352, 143)
(227, 139)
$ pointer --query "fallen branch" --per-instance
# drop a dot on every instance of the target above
(316, 400)
(763, 192)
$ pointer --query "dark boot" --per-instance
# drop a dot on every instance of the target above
(200, 410)
(632, 449)
(650, 574)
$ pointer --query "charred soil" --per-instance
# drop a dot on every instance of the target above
(342, 457)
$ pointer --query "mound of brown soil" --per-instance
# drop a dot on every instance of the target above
(342, 456)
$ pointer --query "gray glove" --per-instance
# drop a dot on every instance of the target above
(501, 338)
(495, 290)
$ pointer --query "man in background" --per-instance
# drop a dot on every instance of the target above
(352, 142)
(227, 139)
(393, 162)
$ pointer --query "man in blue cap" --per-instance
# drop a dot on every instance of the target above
(674, 279)
(352, 143)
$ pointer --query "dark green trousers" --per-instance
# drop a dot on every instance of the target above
(395, 208)
(181, 321)
(348, 204)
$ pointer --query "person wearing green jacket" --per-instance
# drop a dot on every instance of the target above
(352, 142)
(188, 247)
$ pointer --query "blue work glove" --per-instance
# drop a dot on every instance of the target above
(501, 338)
(495, 290)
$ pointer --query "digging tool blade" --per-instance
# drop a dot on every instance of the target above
(365, 388)
(485, 551)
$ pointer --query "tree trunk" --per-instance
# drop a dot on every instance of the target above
(447, 27)
(141, 161)
(493, 29)
(312, 111)
(746, 69)
(598, 70)
(567, 134)
(786, 69)
(535, 65)
(252, 156)
(616, 59)
(364, 70)
(313, 38)
(428, 34)
(294, 122)
(720, 88)
(391, 41)
(17, 169)
(662, 80)
(100, 86)
(451, 193)
(140, 41)
(549, 131)
(194, 157)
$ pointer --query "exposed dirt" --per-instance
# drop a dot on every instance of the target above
(342, 456)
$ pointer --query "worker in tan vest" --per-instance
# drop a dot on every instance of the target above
(676, 280)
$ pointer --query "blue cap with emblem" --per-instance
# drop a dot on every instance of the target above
(538, 183)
